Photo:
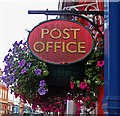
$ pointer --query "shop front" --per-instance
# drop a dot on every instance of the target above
(68, 65)
(10, 107)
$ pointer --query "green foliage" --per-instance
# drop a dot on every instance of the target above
(23, 72)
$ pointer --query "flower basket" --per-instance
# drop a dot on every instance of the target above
(49, 86)
(60, 75)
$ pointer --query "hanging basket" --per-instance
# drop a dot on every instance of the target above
(60, 75)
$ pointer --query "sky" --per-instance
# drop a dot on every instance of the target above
(14, 20)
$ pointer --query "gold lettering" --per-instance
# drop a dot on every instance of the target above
(81, 47)
(66, 33)
(67, 47)
(48, 46)
(59, 33)
(55, 46)
(75, 32)
(44, 31)
(63, 46)
(39, 50)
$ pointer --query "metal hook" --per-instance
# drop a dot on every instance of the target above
(47, 15)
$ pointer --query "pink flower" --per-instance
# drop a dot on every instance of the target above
(88, 98)
(83, 85)
(71, 85)
(22, 96)
(83, 99)
(16, 95)
(57, 103)
(100, 63)
(34, 106)
(88, 89)
(78, 105)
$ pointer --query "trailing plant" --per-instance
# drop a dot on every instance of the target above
(24, 73)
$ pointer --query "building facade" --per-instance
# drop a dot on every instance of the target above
(3, 99)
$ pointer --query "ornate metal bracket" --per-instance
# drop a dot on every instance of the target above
(79, 14)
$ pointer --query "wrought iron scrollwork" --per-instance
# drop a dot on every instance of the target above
(97, 20)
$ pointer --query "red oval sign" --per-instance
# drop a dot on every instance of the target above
(60, 41)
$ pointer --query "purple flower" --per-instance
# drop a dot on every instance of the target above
(23, 70)
(14, 71)
(10, 65)
(42, 91)
(20, 42)
(42, 83)
(38, 71)
(6, 69)
(24, 43)
(14, 51)
(7, 83)
(15, 44)
(22, 63)
(12, 78)
(24, 48)
(6, 57)
(29, 64)
(10, 50)
(11, 91)
(4, 77)
(6, 80)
